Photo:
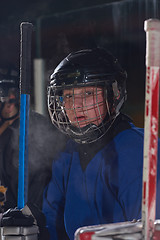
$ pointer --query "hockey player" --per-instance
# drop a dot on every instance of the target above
(9, 114)
(43, 145)
(98, 179)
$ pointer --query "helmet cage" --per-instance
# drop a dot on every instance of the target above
(114, 98)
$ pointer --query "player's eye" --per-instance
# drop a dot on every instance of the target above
(89, 93)
(68, 96)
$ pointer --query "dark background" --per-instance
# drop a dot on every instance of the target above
(67, 25)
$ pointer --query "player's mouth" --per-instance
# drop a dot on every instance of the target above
(80, 118)
(80, 121)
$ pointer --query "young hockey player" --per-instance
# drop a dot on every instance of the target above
(98, 179)
(42, 144)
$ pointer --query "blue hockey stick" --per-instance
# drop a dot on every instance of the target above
(25, 76)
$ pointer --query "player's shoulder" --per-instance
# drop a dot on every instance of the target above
(67, 150)
(132, 134)
(62, 163)
(125, 128)
(128, 144)
(129, 150)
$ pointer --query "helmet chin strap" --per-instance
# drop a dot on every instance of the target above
(10, 118)
(91, 132)
(86, 134)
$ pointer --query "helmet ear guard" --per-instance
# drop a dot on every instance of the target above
(116, 92)
(118, 97)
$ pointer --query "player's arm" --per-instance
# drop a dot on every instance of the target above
(54, 202)
(129, 176)
(130, 200)
(52, 218)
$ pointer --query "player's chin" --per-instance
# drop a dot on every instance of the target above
(82, 124)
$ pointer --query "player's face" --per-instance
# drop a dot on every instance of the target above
(85, 105)
(9, 108)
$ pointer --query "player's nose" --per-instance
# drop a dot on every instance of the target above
(78, 102)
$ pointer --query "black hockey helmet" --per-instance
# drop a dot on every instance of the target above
(89, 67)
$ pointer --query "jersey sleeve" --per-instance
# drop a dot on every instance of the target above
(130, 200)
(54, 201)
(128, 176)
(131, 173)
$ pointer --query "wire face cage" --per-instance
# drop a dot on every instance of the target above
(81, 112)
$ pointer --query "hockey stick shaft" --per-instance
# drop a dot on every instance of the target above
(25, 76)
(152, 28)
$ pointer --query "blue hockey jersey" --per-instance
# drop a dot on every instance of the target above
(108, 190)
